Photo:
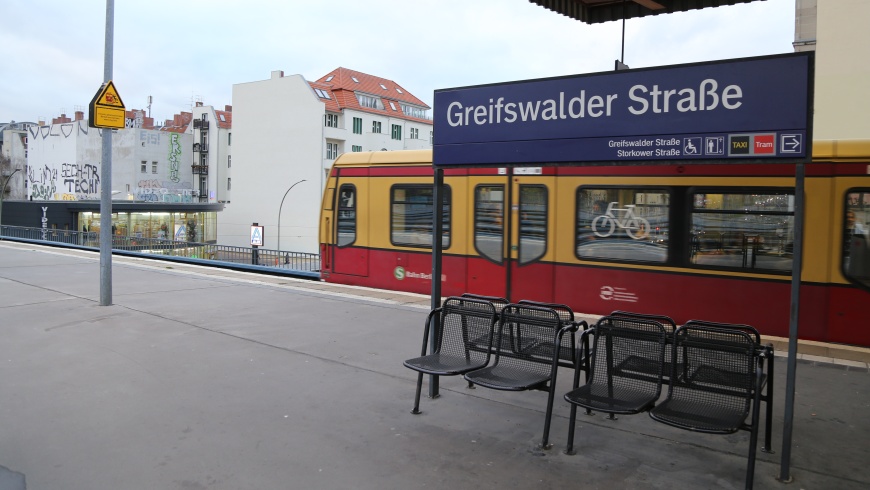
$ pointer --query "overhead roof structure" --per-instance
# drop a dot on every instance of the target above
(598, 11)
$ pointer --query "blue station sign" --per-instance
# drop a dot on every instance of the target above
(728, 111)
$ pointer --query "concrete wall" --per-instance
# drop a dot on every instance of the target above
(277, 141)
(65, 163)
(842, 104)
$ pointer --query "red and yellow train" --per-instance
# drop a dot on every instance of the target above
(705, 241)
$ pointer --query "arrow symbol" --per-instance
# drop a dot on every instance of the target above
(792, 143)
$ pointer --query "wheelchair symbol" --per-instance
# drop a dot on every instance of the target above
(691, 146)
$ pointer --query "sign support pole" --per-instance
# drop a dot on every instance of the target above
(791, 375)
(106, 177)
(437, 231)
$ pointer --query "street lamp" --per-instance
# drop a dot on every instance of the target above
(279, 212)
(2, 195)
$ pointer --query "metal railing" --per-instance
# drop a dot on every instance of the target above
(292, 263)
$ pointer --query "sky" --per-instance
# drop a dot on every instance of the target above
(183, 51)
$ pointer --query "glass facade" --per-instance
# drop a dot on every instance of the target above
(198, 227)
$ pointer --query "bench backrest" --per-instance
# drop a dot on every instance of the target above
(628, 353)
(463, 319)
(529, 338)
(719, 366)
(668, 322)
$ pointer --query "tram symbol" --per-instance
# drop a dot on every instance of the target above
(714, 145)
(692, 146)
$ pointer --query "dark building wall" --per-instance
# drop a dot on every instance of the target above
(30, 213)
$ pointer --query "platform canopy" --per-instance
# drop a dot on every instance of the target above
(598, 11)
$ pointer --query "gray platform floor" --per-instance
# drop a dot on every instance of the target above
(199, 378)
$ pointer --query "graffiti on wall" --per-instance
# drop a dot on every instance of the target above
(163, 191)
(174, 154)
(42, 182)
(80, 179)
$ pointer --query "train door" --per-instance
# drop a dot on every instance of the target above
(487, 268)
(530, 276)
(347, 253)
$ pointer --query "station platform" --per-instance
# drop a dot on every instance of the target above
(205, 378)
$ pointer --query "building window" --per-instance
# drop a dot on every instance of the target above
(397, 132)
(411, 216)
(331, 120)
(144, 167)
(412, 111)
(229, 184)
(356, 148)
(331, 151)
(229, 161)
(369, 101)
(229, 139)
(376, 126)
(430, 137)
(415, 133)
(357, 125)
(153, 167)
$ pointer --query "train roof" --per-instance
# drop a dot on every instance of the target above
(399, 157)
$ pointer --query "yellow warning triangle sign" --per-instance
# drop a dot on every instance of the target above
(108, 96)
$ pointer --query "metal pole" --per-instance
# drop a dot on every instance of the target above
(3, 195)
(797, 262)
(279, 211)
(437, 231)
(106, 177)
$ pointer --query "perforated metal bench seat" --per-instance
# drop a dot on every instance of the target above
(508, 378)
(700, 417)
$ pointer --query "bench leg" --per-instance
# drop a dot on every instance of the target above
(768, 415)
(569, 449)
(545, 442)
(470, 385)
(416, 410)
(753, 435)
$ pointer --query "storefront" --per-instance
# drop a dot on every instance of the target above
(193, 222)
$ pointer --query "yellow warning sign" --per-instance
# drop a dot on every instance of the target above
(106, 109)
(108, 95)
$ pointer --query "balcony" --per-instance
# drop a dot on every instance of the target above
(200, 124)
(200, 169)
(200, 147)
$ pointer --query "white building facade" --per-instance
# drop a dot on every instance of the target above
(287, 132)
(64, 164)
(13, 148)
(211, 131)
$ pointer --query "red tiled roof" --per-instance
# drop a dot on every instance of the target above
(227, 121)
(342, 89)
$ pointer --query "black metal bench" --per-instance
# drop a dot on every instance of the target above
(716, 376)
(456, 322)
(638, 365)
(527, 354)
(623, 369)
(718, 386)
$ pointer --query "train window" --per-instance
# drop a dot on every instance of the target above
(533, 223)
(411, 216)
(346, 221)
(856, 254)
(743, 230)
(489, 221)
(626, 224)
